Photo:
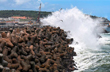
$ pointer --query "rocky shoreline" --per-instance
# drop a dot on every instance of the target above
(43, 49)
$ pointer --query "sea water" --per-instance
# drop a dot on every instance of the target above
(95, 60)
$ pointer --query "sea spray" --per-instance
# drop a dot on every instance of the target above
(82, 27)
(84, 30)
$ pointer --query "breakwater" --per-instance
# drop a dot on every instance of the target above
(44, 49)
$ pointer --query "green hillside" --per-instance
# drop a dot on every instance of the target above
(33, 14)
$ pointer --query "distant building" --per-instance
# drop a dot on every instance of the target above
(19, 17)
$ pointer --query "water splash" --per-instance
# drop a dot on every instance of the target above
(82, 28)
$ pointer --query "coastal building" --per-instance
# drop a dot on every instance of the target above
(19, 17)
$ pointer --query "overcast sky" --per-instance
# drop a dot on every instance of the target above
(99, 8)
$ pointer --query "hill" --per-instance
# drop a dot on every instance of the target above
(33, 14)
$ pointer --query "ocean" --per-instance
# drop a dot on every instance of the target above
(95, 60)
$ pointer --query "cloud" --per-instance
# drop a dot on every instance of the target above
(19, 2)
(38, 2)
(50, 7)
(29, 3)
(34, 4)
(3, 0)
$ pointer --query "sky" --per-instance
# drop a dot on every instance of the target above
(99, 8)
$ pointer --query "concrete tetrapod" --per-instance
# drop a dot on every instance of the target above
(44, 49)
